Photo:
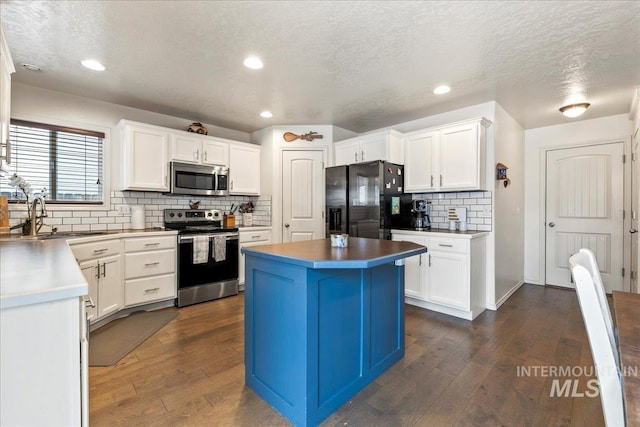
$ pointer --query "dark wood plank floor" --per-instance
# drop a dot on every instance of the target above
(454, 373)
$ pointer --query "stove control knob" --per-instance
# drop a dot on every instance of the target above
(209, 214)
(172, 214)
(179, 215)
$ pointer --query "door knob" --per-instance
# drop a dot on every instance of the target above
(552, 224)
(286, 225)
(633, 231)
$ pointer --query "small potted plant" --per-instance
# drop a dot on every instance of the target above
(27, 195)
(246, 209)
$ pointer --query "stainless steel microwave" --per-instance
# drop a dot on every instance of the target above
(199, 180)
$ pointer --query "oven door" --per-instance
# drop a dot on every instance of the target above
(213, 270)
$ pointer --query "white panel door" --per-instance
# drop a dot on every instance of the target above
(302, 195)
(448, 281)
(459, 154)
(584, 209)
(91, 276)
(419, 174)
(147, 153)
(347, 152)
(374, 148)
(244, 169)
(215, 152)
(635, 206)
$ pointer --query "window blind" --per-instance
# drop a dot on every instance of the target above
(68, 162)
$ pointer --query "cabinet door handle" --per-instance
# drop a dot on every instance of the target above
(445, 246)
(197, 155)
(432, 180)
(440, 180)
(362, 156)
(151, 244)
(255, 237)
(148, 291)
(429, 260)
(204, 156)
(356, 156)
(151, 264)
(99, 251)
(89, 302)
(231, 185)
(98, 270)
(420, 260)
(104, 269)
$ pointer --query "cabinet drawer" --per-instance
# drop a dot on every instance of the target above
(139, 291)
(85, 251)
(255, 236)
(150, 243)
(448, 245)
(149, 263)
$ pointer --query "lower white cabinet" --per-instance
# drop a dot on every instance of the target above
(149, 269)
(251, 237)
(43, 363)
(101, 265)
(451, 277)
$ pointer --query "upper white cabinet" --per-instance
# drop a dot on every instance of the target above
(384, 145)
(447, 158)
(6, 69)
(244, 169)
(145, 160)
(193, 148)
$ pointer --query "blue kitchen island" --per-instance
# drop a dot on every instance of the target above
(322, 322)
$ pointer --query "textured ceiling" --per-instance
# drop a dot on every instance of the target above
(360, 65)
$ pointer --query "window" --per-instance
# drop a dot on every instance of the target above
(67, 161)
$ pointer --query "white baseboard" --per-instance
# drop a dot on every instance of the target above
(506, 296)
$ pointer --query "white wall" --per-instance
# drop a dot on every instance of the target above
(536, 141)
(509, 207)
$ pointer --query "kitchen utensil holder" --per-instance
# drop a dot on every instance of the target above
(247, 219)
(229, 220)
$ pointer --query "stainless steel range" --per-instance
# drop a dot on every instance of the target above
(207, 255)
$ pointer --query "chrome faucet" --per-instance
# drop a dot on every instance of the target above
(34, 217)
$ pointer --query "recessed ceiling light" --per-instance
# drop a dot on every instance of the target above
(441, 90)
(253, 62)
(266, 114)
(92, 64)
(31, 67)
(574, 110)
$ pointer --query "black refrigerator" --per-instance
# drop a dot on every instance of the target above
(366, 199)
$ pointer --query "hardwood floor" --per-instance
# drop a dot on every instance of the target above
(454, 373)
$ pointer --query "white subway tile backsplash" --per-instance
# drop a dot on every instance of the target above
(114, 227)
(476, 203)
(71, 221)
(62, 214)
(89, 220)
(98, 213)
(81, 214)
(98, 227)
(106, 220)
(80, 227)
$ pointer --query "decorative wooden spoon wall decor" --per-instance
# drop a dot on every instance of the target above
(288, 136)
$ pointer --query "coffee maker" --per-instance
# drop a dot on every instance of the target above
(420, 214)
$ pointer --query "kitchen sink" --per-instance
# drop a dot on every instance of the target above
(63, 235)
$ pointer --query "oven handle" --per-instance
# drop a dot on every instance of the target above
(189, 238)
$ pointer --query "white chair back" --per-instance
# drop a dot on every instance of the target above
(587, 259)
(607, 368)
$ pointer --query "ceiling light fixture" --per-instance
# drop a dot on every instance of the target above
(441, 90)
(31, 67)
(266, 114)
(92, 64)
(253, 62)
(574, 110)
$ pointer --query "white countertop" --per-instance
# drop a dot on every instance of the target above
(33, 272)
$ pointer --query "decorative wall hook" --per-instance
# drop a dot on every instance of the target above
(288, 136)
(501, 174)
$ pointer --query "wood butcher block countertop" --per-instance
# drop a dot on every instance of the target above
(37, 271)
(360, 252)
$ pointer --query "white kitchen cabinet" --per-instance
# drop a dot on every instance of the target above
(250, 237)
(149, 269)
(199, 149)
(451, 277)
(101, 264)
(384, 145)
(145, 157)
(6, 69)
(42, 364)
(446, 158)
(416, 275)
(244, 169)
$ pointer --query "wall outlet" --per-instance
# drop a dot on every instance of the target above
(124, 210)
